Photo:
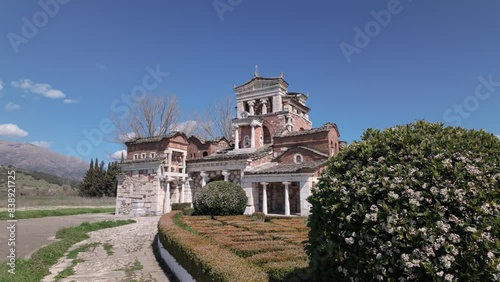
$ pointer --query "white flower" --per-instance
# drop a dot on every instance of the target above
(448, 277)
(393, 195)
(349, 240)
(490, 255)
(471, 229)
(440, 274)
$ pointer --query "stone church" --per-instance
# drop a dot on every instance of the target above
(275, 155)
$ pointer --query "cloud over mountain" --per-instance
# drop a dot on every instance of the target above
(12, 130)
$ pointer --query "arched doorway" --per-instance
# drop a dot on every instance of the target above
(267, 135)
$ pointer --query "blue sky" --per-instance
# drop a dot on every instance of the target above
(64, 64)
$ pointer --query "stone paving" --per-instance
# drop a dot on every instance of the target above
(122, 253)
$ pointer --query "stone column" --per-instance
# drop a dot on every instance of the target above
(252, 137)
(169, 161)
(236, 138)
(264, 106)
(287, 199)
(251, 107)
(182, 190)
(167, 207)
(264, 197)
(188, 197)
(175, 193)
(203, 178)
(184, 157)
(225, 173)
(305, 191)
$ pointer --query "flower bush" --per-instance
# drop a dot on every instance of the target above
(419, 202)
(220, 198)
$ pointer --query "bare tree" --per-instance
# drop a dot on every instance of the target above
(150, 116)
(217, 119)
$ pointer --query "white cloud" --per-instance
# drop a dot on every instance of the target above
(498, 136)
(43, 89)
(9, 107)
(71, 101)
(12, 130)
(43, 144)
(118, 155)
(1, 85)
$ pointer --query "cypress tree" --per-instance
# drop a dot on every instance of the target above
(85, 189)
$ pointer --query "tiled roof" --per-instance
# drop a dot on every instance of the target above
(312, 150)
(260, 78)
(153, 139)
(231, 155)
(204, 141)
(326, 127)
(275, 168)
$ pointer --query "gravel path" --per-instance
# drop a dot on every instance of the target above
(122, 253)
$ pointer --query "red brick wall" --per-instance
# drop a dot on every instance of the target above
(333, 142)
(148, 148)
(318, 141)
(307, 156)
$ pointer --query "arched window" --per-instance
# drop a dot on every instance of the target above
(298, 158)
(247, 141)
(267, 135)
(205, 153)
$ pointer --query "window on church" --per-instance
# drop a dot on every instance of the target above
(136, 156)
(205, 153)
(143, 155)
(247, 141)
(153, 155)
(298, 158)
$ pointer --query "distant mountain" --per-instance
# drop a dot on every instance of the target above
(34, 158)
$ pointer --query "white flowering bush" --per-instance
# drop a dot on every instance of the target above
(419, 202)
(220, 198)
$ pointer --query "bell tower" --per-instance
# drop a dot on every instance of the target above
(264, 109)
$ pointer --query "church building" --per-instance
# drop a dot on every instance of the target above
(275, 155)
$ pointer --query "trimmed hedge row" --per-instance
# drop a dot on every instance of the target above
(277, 249)
(202, 259)
(180, 206)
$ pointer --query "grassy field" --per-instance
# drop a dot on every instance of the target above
(31, 202)
(35, 268)
(275, 246)
(4, 215)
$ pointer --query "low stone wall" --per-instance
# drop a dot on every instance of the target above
(176, 268)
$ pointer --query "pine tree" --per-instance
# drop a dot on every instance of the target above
(85, 189)
(110, 180)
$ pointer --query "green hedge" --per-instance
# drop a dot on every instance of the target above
(203, 259)
(220, 198)
(180, 206)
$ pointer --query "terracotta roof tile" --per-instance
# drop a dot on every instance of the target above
(287, 168)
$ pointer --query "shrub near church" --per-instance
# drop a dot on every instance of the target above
(220, 198)
(419, 202)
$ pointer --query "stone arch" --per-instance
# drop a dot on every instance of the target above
(267, 135)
